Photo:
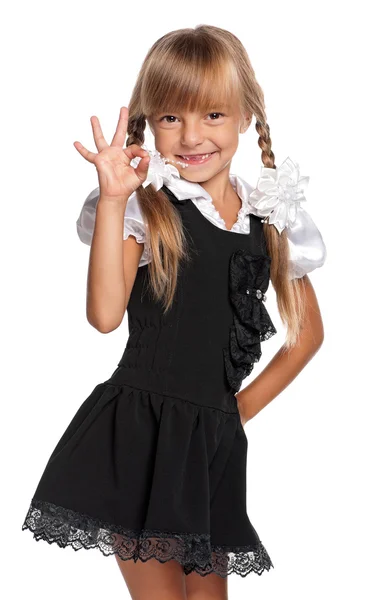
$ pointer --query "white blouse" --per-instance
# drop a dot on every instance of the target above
(307, 248)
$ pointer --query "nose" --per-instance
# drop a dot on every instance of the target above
(191, 134)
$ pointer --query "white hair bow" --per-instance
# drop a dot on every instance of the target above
(278, 194)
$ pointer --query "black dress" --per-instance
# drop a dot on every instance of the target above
(153, 464)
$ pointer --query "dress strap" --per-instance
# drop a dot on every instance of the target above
(172, 196)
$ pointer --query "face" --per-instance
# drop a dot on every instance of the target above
(179, 136)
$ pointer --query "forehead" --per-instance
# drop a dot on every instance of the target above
(198, 110)
(192, 90)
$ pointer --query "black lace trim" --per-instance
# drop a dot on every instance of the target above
(65, 527)
(249, 278)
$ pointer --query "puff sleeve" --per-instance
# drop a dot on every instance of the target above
(133, 223)
(307, 248)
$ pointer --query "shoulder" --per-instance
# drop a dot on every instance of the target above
(307, 247)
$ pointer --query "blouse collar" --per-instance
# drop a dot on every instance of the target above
(277, 196)
(161, 173)
(184, 189)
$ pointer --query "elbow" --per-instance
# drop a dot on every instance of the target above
(320, 334)
(314, 329)
(311, 339)
(104, 319)
(319, 342)
(318, 338)
(102, 326)
(102, 329)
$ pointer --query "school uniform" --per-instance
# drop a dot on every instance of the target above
(154, 462)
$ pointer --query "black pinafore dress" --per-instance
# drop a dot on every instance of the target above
(153, 464)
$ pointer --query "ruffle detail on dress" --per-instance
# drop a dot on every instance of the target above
(65, 527)
(249, 277)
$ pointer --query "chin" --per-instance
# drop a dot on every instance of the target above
(193, 178)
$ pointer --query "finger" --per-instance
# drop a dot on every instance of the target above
(142, 168)
(134, 150)
(100, 141)
(90, 156)
(121, 131)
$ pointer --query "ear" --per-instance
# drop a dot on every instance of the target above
(245, 123)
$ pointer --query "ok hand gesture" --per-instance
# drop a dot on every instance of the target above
(117, 179)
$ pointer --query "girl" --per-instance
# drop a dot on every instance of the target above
(153, 464)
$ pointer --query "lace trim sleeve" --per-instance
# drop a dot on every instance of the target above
(134, 223)
(86, 220)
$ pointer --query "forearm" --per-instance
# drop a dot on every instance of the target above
(106, 290)
(275, 377)
(286, 364)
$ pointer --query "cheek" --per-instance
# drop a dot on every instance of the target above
(226, 137)
(228, 141)
(164, 140)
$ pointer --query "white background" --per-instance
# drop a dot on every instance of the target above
(310, 451)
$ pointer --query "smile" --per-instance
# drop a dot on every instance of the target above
(198, 159)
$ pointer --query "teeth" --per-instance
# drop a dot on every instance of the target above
(200, 157)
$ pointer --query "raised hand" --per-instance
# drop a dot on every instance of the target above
(117, 179)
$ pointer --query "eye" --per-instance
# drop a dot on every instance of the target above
(173, 117)
(216, 113)
(167, 117)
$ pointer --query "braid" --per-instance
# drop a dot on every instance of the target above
(267, 155)
(135, 130)
(276, 243)
(289, 296)
(264, 141)
(165, 236)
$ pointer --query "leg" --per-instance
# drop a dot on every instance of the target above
(208, 587)
(152, 579)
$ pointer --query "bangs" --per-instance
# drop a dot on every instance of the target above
(192, 79)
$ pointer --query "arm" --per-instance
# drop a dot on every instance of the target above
(286, 364)
(113, 262)
(112, 267)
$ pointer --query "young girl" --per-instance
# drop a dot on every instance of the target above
(153, 464)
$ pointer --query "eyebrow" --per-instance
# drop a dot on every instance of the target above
(214, 105)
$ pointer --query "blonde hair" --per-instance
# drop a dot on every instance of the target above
(188, 69)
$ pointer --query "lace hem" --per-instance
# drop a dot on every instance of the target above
(65, 527)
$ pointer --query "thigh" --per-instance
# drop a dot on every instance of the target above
(153, 579)
(206, 587)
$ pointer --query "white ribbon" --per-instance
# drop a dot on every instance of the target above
(159, 173)
(278, 194)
